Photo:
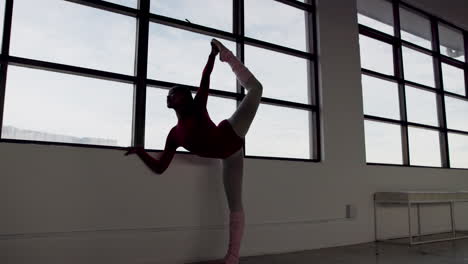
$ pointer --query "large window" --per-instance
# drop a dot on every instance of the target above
(414, 86)
(70, 75)
(98, 72)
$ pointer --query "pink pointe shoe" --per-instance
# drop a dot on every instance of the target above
(224, 53)
(216, 261)
(243, 74)
(236, 231)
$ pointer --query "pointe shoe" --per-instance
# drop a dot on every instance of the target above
(218, 44)
(216, 261)
(224, 53)
(231, 260)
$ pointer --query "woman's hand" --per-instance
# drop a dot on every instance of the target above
(133, 150)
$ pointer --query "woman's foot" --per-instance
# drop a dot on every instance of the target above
(218, 44)
(217, 261)
(224, 53)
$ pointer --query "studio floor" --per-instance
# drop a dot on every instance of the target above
(446, 252)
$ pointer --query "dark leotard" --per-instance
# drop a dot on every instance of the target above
(197, 132)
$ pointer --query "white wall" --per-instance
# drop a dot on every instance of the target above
(129, 215)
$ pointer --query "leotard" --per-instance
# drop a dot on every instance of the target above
(197, 133)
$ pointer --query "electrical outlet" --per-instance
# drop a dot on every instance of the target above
(350, 211)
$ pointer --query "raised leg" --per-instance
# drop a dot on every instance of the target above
(245, 113)
(242, 118)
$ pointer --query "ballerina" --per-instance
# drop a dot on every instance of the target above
(196, 132)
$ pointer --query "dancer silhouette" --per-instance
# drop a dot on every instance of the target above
(196, 132)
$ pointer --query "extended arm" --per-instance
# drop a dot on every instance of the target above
(160, 165)
(202, 93)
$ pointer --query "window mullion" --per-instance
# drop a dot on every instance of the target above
(398, 68)
(141, 65)
(312, 82)
(5, 54)
(238, 30)
(443, 136)
(465, 37)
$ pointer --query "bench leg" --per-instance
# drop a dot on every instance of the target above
(419, 222)
(452, 220)
(375, 220)
(409, 225)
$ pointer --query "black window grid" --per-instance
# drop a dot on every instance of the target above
(398, 77)
(141, 81)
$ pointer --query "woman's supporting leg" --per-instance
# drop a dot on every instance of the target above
(245, 113)
(233, 169)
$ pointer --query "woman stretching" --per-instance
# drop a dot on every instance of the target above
(196, 132)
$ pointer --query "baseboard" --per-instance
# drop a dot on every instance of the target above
(162, 229)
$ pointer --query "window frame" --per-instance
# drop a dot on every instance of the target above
(438, 58)
(141, 81)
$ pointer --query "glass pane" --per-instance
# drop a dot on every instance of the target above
(380, 97)
(280, 132)
(457, 113)
(210, 13)
(376, 55)
(377, 14)
(451, 42)
(73, 34)
(418, 67)
(129, 3)
(458, 150)
(454, 79)
(283, 76)
(49, 106)
(424, 147)
(220, 108)
(179, 56)
(415, 28)
(160, 119)
(275, 22)
(383, 142)
(421, 106)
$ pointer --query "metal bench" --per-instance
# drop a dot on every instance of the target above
(421, 197)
